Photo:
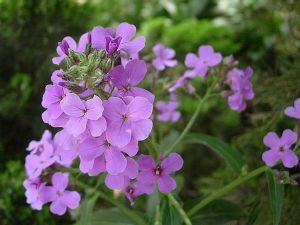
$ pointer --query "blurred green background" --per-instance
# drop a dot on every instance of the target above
(262, 33)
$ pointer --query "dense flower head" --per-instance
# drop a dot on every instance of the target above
(163, 57)
(241, 88)
(280, 149)
(101, 111)
(293, 111)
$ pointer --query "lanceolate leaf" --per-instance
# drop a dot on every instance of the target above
(109, 217)
(276, 193)
(231, 156)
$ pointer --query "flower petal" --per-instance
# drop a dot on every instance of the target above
(289, 159)
(115, 161)
(270, 157)
(72, 105)
(71, 199)
(166, 183)
(114, 181)
(60, 181)
(118, 133)
(141, 129)
(58, 208)
(139, 109)
(172, 163)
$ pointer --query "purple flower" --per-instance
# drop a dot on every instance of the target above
(126, 79)
(200, 64)
(293, 112)
(60, 198)
(63, 49)
(66, 147)
(280, 149)
(67, 44)
(118, 181)
(136, 189)
(93, 167)
(44, 144)
(83, 115)
(241, 88)
(35, 164)
(106, 38)
(167, 111)
(52, 98)
(128, 118)
(163, 57)
(116, 162)
(152, 173)
(180, 82)
(56, 77)
(32, 193)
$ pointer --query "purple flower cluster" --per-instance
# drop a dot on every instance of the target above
(102, 115)
(241, 88)
(280, 147)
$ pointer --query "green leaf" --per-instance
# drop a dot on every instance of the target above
(169, 214)
(110, 217)
(276, 193)
(253, 215)
(231, 156)
(217, 212)
(167, 142)
(86, 211)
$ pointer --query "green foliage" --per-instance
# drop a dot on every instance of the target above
(216, 213)
(276, 193)
(232, 157)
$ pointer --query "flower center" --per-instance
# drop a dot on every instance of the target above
(130, 190)
(281, 149)
(107, 144)
(157, 171)
(112, 45)
(125, 117)
(58, 193)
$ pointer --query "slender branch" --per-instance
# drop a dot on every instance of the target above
(191, 122)
(182, 213)
(217, 194)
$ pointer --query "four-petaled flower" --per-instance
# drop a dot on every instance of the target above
(127, 118)
(60, 198)
(200, 64)
(127, 78)
(83, 115)
(167, 111)
(152, 173)
(163, 57)
(280, 149)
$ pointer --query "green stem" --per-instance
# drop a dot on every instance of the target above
(157, 216)
(131, 214)
(225, 189)
(191, 122)
(182, 213)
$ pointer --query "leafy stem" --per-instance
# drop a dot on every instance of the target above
(130, 213)
(192, 120)
(180, 210)
(225, 189)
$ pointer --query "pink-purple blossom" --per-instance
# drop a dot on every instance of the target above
(52, 98)
(280, 149)
(127, 78)
(44, 144)
(200, 64)
(293, 111)
(119, 40)
(127, 118)
(118, 181)
(167, 111)
(152, 172)
(60, 198)
(115, 161)
(33, 193)
(84, 115)
(241, 88)
(163, 57)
